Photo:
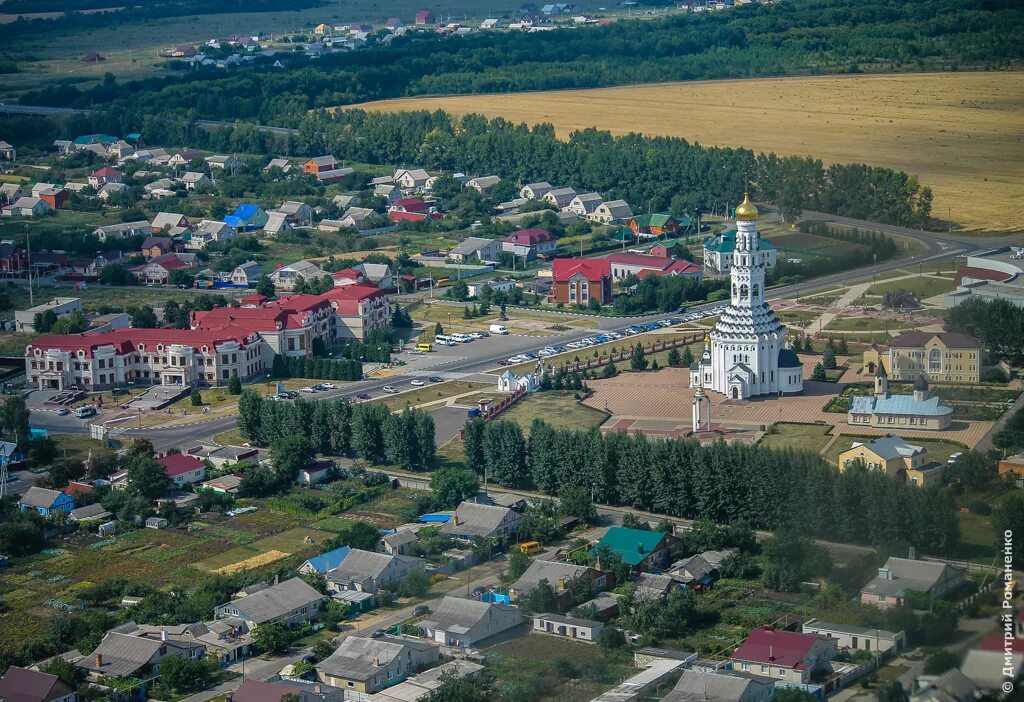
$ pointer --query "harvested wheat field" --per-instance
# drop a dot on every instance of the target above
(960, 133)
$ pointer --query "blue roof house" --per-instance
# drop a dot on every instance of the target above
(325, 561)
(46, 502)
(247, 218)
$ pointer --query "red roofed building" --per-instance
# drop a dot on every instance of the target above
(425, 17)
(95, 361)
(183, 469)
(359, 309)
(347, 276)
(578, 280)
(74, 489)
(530, 243)
(409, 204)
(397, 216)
(626, 264)
(972, 273)
(289, 325)
(157, 271)
(101, 177)
(784, 655)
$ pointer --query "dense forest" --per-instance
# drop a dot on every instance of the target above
(769, 489)
(75, 19)
(798, 37)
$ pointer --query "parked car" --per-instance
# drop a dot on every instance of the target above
(420, 611)
(417, 382)
(328, 386)
(362, 396)
(436, 379)
(309, 389)
(389, 389)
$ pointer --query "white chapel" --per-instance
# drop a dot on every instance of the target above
(747, 354)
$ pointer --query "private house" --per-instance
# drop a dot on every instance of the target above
(951, 686)
(483, 185)
(286, 277)
(10, 192)
(289, 603)
(228, 164)
(253, 690)
(8, 152)
(642, 265)
(225, 485)
(887, 411)
(784, 655)
(705, 685)
(247, 218)
(474, 248)
(184, 157)
(46, 502)
(584, 204)
(400, 542)
(530, 243)
(640, 550)
(283, 164)
(466, 623)
(425, 17)
(247, 273)
(25, 320)
(654, 224)
(89, 513)
(388, 191)
(367, 571)
(298, 214)
(195, 180)
(54, 197)
(170, 220)
(325, 561)
(578, 280)
(535, 191)
(317, 472)
(486, 521)
(695, 572)
(277, 223)
(360, 218)
(945, 357)
(651, 587)
(129, 655)
(155, 246)
(102, 176)
(394, 23)
(612, 212)
(367, 665)
(209, 231)
(27, 207)
(158, 270)
(162, 187)
(559, 197)
(13, 260)
(411, 179)
(183, 469)
(889, 587)
(560, 576)
(585, 630)
(410, 205)
(993, 661)
(378, 274)
(858, 638)
(111, 189)
(326, 169)
(24, 685)
(718, 252)
(895, 458)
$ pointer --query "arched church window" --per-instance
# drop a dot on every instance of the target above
(743, 291)
(754, 295)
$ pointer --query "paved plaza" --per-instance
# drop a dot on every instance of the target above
(662, 400)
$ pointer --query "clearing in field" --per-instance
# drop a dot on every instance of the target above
(962, 134)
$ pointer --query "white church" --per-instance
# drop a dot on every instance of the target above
(747, 354)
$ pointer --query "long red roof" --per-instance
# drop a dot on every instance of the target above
(777, 647)
(678, 267)
(125, 340)
(529, 237)
(176, 464)
(593, 269)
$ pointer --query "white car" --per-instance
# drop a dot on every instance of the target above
(547, 351)
(389, 389)
(417, 383)
(613, 335)
(478, 335)
(308, 389)
(328, 386)
(517, 359)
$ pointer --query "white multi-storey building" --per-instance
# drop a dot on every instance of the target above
(746, 354)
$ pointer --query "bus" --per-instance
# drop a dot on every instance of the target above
(442, 340)
(529, 547)
(425, 348)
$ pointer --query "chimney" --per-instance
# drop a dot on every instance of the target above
(99, 660)
(639, 548)
(376, 662)
(885, 574)
(771, 653)
(561, 583)
(163, 634)
(317, 689)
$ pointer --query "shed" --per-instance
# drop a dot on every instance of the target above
(156, 523)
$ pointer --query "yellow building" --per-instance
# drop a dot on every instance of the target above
(896, 458)
(943, 357)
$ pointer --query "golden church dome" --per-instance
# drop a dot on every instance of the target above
(746, 211)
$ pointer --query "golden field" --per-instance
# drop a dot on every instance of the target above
(960, 133)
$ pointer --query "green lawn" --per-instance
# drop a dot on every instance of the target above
(559, 409)
(797, 316)
(429, 393)
(923, 286)
(808, 437)
(977, 536)
(75, 445)
(858, 324)
(230, 438)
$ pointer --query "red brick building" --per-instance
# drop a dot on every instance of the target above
(578, 280)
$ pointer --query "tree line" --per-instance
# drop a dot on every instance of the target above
(337, 427)
(767, 488)
(316, 368)
(998, 323)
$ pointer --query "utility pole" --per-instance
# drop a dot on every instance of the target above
(28, 244)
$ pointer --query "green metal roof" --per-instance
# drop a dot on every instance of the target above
(632, 545)
(727, 242)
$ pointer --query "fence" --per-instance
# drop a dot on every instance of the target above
(624, 353)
